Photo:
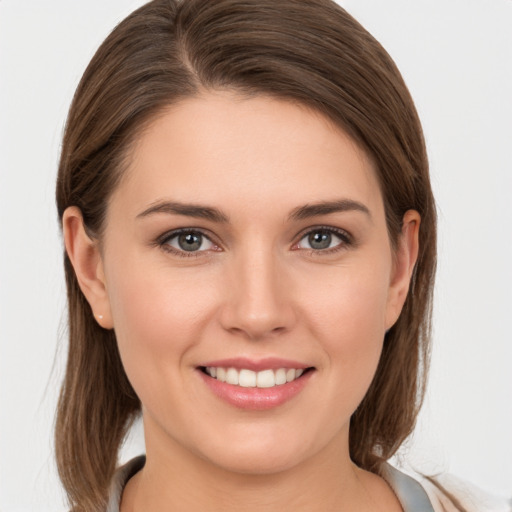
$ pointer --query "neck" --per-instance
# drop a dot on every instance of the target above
(175, 479)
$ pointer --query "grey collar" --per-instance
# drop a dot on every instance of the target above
(409, 492)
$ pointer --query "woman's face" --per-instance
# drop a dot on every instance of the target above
(248, 242)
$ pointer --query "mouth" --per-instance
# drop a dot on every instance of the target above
(256, 384)
(246, 378)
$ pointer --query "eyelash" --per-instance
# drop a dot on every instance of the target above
(346, 241)
(163, 242)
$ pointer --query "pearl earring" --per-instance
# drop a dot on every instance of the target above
(100, 317)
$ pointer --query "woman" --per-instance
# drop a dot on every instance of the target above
(250, 237)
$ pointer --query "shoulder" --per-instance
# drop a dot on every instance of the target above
(451, 494)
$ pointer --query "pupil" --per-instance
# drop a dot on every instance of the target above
(190, 241)
(320, 240)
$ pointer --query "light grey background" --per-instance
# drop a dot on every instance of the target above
(456, 56)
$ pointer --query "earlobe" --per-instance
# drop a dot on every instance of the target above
(85, 256)
(405, 260)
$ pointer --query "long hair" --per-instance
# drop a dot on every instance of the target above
(311, 52)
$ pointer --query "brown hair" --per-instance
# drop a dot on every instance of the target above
(308, 51)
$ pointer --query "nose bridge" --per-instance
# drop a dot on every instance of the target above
(258, 302)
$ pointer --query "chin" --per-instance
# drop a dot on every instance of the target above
(262, 462)
(260, 452)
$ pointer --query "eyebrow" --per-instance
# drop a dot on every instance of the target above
(215, 215)
(186, 209)
(328, 207)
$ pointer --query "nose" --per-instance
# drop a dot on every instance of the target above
(258, 301)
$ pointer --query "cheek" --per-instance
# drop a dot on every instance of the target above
(351, 300)
(158, 313)
(347, 318)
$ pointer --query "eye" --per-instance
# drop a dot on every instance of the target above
(188, 241)
(323, 238)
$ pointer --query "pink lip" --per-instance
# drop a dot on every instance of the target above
(256, 399)
(268, 363)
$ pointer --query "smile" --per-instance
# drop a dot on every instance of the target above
(246, 378)
(256, 384)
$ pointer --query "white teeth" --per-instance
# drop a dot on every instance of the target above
(250, 379)
(247, 379)
(221, 374)
(280, 376)
(265, 379)
(232, 376)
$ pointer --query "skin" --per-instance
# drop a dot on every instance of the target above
(256, 288)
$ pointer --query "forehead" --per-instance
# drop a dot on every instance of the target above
(227, 148)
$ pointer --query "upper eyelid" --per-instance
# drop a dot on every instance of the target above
(168, 235)
(332, 229)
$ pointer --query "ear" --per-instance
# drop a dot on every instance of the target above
(85, 257)
(403, 267)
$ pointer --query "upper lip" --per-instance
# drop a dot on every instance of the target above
(256, 365)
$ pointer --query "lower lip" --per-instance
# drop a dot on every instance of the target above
(256, 399)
